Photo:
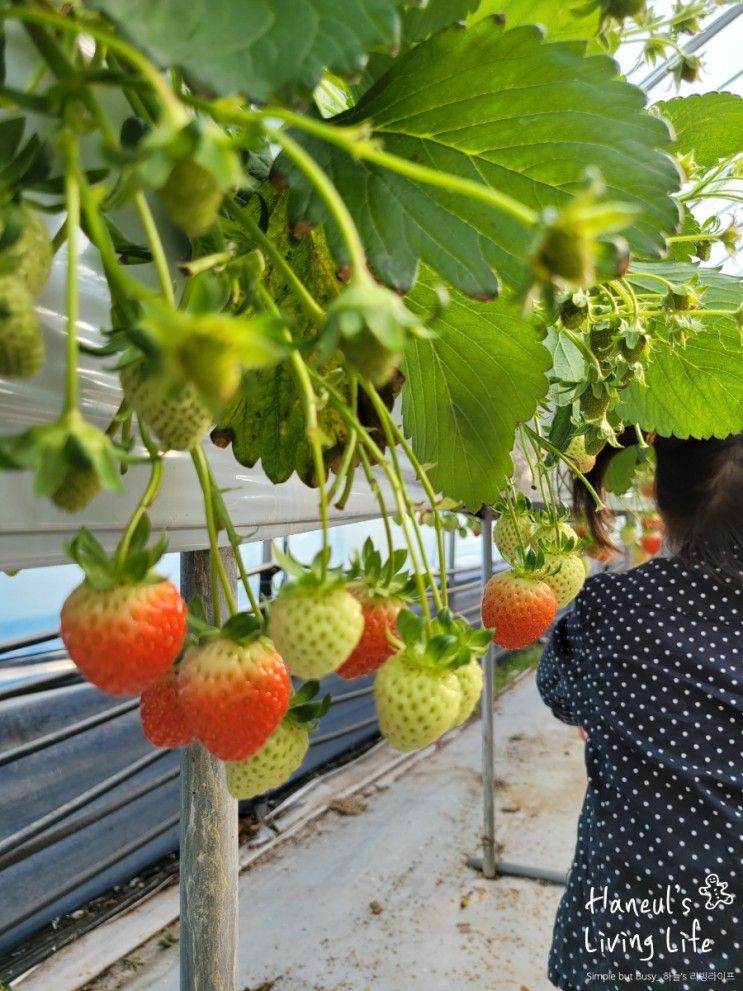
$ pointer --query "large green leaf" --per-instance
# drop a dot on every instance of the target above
(261, 48)
(561, 21)
(708, 124)
(467, 388)
(501, 108)
(697, 390)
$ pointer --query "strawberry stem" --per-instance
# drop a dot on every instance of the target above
(385, 415)
(148, 496)
(156, 246)
(72, 297)
(309, 304)
(225, 521)
(202, 471)
(402, 507)
(309, 401)
(327, 191)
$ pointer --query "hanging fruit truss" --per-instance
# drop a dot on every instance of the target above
(410, 236)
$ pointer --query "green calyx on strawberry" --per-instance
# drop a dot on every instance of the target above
(381, 588)
(67, 456)
(123, 626)
(25, 248)
(21, 343)
(314, 621)
(419, 692)
(233, 685)
(371, 325)
(191, 168)
(284, 750)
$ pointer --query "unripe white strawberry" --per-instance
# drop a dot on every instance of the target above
(416, 704)
(576, 452)
(179, 419)
(279, 757)
(512, 534)
(470, 680)
(315, 629)
(568, 580)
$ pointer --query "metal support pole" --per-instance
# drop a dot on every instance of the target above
(209, 866)
(488, 721)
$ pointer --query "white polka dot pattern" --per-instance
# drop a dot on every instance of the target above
(649, 663)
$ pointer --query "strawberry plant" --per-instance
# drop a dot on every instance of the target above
(383, 264)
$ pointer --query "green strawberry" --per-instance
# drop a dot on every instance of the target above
(565, 575)
(595, 445)
(637, 352)
(593, 407)
(279, 757)
(315, 628)
(629, 534)
(416, 703)
(619, 9)
(576, 452)
(470, 683)
(511, 533)
(78, 488)
(574, 315)
(32, 252)
(21, 343)
(180, 420)
(192, 197)
(545, 533)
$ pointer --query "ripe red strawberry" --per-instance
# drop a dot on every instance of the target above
(179, 418)
(374, 647)
(123, 638)
(233, 694)
(518, 608)
(163, 720)
(652, 541)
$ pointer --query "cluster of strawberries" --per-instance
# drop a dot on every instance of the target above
(129, 632)
(546, 572)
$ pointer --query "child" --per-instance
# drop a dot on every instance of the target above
(650, 663)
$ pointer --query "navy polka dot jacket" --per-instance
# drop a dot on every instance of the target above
(650, 663)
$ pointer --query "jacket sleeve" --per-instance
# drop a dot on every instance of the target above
(558, 678)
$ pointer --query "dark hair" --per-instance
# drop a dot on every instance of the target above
(699, 492)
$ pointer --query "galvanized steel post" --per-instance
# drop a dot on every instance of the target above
(209, 847)
(488, 720)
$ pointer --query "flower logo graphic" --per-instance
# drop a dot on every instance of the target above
(715, 891)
